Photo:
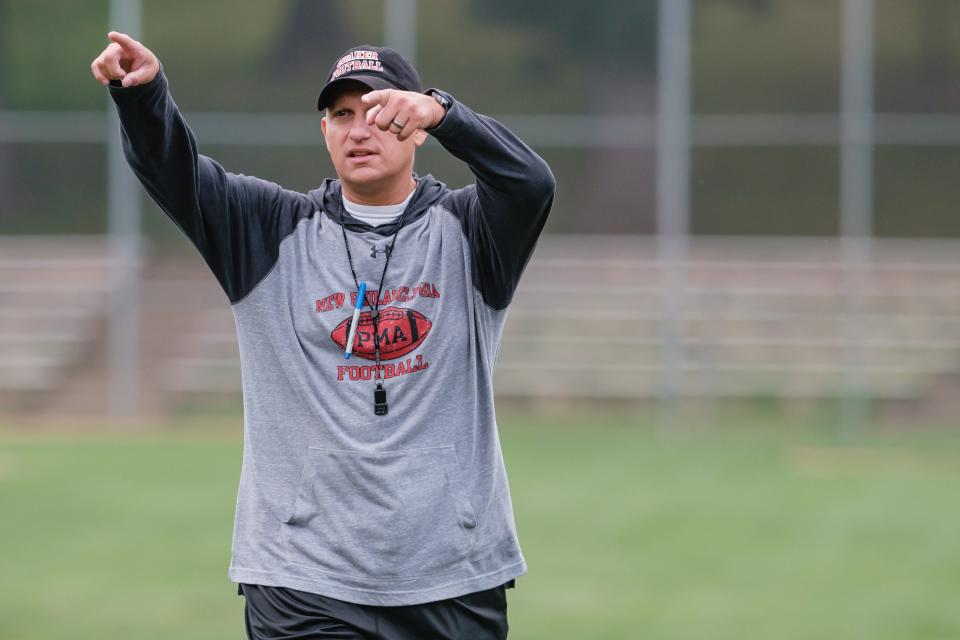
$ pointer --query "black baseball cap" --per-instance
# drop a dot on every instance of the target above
(376, 67)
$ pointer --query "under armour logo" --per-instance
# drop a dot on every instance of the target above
(374, 251)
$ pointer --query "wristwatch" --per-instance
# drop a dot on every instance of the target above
(441, 100)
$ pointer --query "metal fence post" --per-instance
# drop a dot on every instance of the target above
(673, 194)
(856, 201)
(123, 212)
(400, 27)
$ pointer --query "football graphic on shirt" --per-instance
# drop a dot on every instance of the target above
(401, 331)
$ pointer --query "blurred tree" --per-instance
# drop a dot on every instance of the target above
(758, 6)
(9, 201)
(601, 27)
(312, 31)
(613, 44)
(937, 20)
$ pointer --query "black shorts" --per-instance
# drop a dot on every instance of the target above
(275, 613)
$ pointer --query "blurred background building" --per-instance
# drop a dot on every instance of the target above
(756, 198)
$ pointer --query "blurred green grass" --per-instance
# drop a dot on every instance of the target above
(748, 527)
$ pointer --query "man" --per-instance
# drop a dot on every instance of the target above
(373, 498)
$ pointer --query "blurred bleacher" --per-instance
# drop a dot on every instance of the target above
(54, 294)
(761, 317)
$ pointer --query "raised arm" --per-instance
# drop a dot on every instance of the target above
(504, 213)
(235, 221)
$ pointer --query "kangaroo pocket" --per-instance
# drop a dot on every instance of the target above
(386, 514)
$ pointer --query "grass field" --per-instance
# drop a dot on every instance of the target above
(749, 528)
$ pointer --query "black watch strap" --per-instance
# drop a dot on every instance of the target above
(440, 98)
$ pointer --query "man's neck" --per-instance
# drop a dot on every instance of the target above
(379, 196)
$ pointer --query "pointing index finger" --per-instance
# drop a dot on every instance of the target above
(122, 39)
(380, 96)
(372, 113)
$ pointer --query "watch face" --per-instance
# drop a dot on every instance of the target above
(439, 98)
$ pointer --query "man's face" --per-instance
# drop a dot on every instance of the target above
(365, 157)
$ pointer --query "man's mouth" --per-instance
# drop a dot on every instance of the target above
(360, 153)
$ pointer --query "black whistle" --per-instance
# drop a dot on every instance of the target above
(380, 400)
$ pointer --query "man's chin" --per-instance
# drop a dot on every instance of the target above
(364, 177)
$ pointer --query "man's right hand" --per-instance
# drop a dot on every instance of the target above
(126, 60)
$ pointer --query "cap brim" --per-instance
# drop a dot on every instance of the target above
(330, 90)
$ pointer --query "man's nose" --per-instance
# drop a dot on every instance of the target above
(359, 129)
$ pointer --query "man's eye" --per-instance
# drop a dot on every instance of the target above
(340, 113)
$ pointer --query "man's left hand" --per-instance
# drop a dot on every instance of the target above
(402, 112)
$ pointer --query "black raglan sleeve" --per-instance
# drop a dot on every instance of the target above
(504, 212)
(235, 221)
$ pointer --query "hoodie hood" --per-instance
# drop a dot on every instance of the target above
(329, 199)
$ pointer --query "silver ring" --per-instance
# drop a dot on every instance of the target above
(397, 125)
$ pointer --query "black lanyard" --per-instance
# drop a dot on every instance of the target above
(379, 395)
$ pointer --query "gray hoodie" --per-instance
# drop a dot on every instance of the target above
(399, 509)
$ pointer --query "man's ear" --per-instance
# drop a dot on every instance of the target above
(419, 137)
(323, 128)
